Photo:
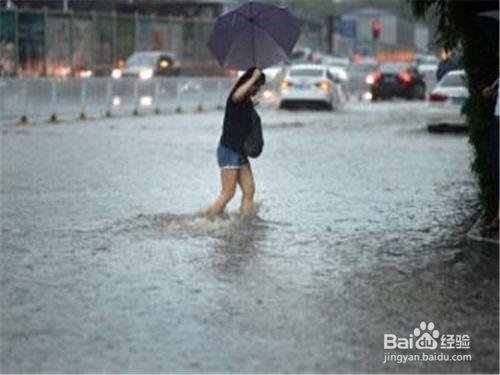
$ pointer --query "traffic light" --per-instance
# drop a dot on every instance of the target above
(376, 28)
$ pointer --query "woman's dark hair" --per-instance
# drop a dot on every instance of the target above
(246, 76)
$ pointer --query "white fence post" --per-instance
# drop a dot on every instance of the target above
(24, 116)
(135, 112)
(219, 95)
(200, 94)
(178, 109)
(53, 101)
(109, 97)
(156, 97)
(83, 99)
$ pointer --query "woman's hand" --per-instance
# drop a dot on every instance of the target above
(256, 73)
(488, 92)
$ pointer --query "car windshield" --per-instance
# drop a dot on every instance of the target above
(299, 55)
(427, 67)
(429, 60)
(306, 73)
(362, 68)
(142, 59)
(453, 80)
(393, 68)
(335, 62)
(336, 69)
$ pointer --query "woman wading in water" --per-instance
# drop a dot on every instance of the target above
(233, 163)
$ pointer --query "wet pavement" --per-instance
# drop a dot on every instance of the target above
(108, 264)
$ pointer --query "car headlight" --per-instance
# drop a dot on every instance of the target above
(145, 74)
(116, 73)
(285, 84)
(324, 85)
(164, 64)
(370, 79)
(85, 74)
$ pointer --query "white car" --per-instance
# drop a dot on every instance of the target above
(447, 99)
(310, 84)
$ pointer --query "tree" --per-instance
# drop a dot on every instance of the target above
(460, 27)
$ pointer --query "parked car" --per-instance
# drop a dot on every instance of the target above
(310, 84)
(447, 99)
(148, 64)
(396, 80)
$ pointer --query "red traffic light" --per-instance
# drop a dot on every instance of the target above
(376, 28)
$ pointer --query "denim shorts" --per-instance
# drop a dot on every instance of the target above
(229, 159)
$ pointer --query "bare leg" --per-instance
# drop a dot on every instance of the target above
(228, 177)
(247, 184)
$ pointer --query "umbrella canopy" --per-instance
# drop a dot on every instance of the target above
(254, 34)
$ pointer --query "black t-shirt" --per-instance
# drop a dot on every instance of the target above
(237, 124)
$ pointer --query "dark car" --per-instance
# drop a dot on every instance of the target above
(396, 80)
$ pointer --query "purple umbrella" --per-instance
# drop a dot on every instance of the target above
(254, 34)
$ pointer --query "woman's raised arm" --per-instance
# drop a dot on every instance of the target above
(241, 92)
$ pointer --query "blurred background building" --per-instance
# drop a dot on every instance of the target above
(60, 38)
(176, 8)
(380, 32)
(74, 37)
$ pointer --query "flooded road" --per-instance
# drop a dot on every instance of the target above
(108, 264)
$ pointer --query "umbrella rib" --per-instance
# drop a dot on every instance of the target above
(255, 16)
(272, 37)
(278, 46)
(232, 46)
(242, 15)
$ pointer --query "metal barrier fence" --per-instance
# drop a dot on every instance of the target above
(27, 99)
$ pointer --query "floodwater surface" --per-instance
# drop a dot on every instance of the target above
(109, 265)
